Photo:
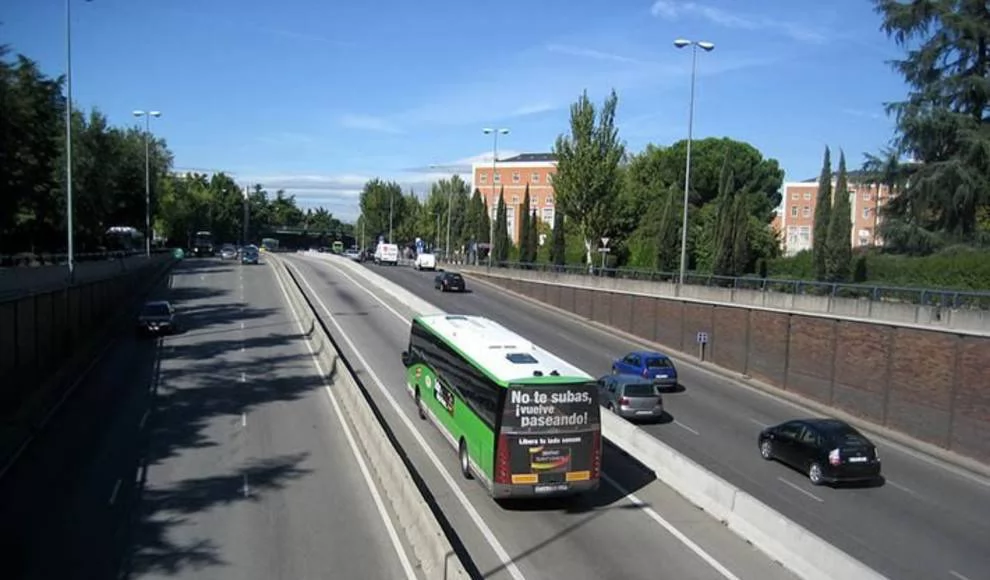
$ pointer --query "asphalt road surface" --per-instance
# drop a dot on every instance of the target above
(635, 527)
(214, 454)
(928, 521)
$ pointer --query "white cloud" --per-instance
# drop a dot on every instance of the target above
(673, 10)
(368, 123)
(592, 53)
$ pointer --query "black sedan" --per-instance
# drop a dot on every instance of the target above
(828, 450)
(157, 317)
(449, 282)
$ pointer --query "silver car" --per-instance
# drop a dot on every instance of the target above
(631, 397)
(157, 317)
(228, 253)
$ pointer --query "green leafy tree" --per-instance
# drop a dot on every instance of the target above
(375, 200)
(823, 217)
(941, 124)
(588, 180)
(558, 242)
(838, 256)
(503, 243)
(525, 241)
(475, 223)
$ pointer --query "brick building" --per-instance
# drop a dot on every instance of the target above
(511, 176)
(795, 219)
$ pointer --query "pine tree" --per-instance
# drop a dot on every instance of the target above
(558, 243)
(501, 237)
(534, 237)
(524, 241)
(823, 217)
(838, 255)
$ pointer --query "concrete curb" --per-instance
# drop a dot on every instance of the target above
(949, 458)
(795, 547)
(434, 554)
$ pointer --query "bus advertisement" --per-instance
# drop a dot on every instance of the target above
(523, 421)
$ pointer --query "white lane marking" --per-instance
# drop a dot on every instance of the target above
(685, 427)
(243, 419)
(202, 277)
(673, 531)
(247, 490)
(957, 575)
(903, 488)
(496, 546)
(144, 419)
(243, 378)
(760, 423)
(358, 456)
(242, 347)
(798, 488)
(242, 326)
(116, 490)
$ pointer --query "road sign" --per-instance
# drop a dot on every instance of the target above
(702, 338)
(604, 250)
(605, 241)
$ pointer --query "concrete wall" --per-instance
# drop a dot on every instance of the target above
(869, 310)
(930, 384)
(20, 281)
(38, 332)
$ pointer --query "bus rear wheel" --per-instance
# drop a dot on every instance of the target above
(465, 461)
(419, 406)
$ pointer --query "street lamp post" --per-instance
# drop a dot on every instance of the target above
(70, 243)
(147, 175)
(707, 47)
(391, 203)
(247, 216)
(491, 220)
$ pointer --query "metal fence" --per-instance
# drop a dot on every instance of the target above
(945, 298)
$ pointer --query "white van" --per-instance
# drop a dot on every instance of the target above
(387, 254)
(425, 261)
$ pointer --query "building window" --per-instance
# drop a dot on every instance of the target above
(515, 177)
(807, 195)
(795, 196)
(483, 178)
(549, 200)
(866, 213)
(535, 177)
(515, 200)
(867, 196)
(794, 211)
(497, 178)
(804, 232)
(549, 177)
(807, 211)
(548, 215)
(533, 202)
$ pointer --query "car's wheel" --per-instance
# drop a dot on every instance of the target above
(766, 449)
(610, 407)
(464, 459)
(815, 474)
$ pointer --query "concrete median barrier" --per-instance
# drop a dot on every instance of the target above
(434, 553)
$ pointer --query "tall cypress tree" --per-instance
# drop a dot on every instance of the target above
(740, 236)
(722, 265)
(501, 237)
(823, 216)
(524, 241)
(558, 243)
(668, 252)
(838, 255)
(534, 237)
(485, 222)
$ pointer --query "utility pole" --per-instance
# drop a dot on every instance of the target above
(491, 220)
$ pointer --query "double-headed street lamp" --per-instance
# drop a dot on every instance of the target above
(491, 220)
(147, 175)
(707, 47)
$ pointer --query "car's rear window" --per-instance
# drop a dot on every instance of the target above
(658, 363)
(640, 390)
(456, 277)
(155, 310)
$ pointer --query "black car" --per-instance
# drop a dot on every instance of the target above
(449, 282)
(156, 318)
(828, 450)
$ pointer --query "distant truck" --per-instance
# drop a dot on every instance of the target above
(203, 244)
(387, 254)
(425, 261)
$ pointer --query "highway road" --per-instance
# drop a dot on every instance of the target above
(635, 527)
(929, 520)
(214, 453)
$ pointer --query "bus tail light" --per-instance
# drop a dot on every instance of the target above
(596, 455)
(502, 471)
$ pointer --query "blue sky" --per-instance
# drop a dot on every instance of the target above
(316, 97)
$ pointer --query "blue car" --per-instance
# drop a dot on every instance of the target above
(649, 365)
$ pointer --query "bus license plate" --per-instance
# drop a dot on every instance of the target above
(550, 488)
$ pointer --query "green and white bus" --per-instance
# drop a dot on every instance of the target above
(522, 420)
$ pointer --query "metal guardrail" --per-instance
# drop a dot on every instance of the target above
(945, 298)
(32, 260)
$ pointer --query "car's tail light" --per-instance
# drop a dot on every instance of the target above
(623, 400)
(834, 457)
(596, 457)
(502, 471)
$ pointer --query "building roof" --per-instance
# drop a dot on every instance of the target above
(854, 176)
(506, 355)
(530, 158)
